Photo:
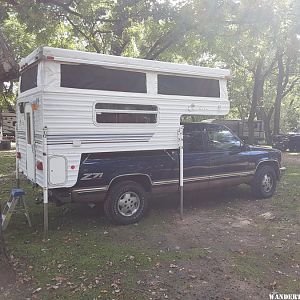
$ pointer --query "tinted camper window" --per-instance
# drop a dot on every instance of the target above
(188, 86)
(100, 78)
(125, 113)
(29, 78)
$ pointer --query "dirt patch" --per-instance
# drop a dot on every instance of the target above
(205, 278)
(247, 247)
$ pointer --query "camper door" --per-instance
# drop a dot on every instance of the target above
(30, 151)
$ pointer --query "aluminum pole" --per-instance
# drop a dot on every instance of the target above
(17, 159)
(180, 141)
(45, 187)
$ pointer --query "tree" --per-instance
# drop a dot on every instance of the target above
(8, 71)
(9, 68)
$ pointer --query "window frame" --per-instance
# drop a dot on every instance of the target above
(204, 137)
(127, 111)
(31, 66)
(222, 128)
(28, 129)
(161, 85)
(143, 89)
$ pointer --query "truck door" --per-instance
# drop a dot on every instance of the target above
(227, 160)
(196, 160)
(30, 151)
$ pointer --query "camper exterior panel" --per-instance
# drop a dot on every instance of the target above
(34, 99)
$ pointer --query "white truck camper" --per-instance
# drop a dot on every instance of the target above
(72, 102)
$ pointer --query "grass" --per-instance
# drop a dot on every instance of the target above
(87, 258)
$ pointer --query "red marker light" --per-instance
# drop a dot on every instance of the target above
(18, 155)
(72, 167)
(39, 165)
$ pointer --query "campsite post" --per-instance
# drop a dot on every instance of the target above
(45, 188)
(17, 159)
(180, 140)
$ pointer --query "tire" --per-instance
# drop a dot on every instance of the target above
(127, 203)
(264, 182)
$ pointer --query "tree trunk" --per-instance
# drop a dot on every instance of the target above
(9, 69)
(7, 274)
(279, 94)
(266, 117)
(256, 97)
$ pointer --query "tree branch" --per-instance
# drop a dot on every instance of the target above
(64, 6)
(98, 50)
(291, 87)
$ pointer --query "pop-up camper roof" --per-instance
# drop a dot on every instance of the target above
(80, 57)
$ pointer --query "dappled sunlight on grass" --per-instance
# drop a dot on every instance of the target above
(293, 154)
(295, 174)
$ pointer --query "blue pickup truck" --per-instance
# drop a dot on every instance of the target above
(213, 157)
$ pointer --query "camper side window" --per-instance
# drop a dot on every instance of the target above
(101, 78)
(29, 78)
(28, 129)
(188, 86)
(112, 113)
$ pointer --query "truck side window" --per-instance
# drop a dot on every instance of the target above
(222, 139)
(194, 142)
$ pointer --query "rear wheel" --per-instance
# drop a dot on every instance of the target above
(264, 182)
(126, 203)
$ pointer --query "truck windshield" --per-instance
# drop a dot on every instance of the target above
(29, 78)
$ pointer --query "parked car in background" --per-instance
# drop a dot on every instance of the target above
(280, 142)
(285, 142)
(294, 142)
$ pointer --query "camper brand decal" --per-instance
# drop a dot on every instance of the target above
(89, 176)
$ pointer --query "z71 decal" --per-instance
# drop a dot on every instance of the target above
(89, 176)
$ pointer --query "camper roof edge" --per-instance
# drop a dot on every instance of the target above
(75, 56)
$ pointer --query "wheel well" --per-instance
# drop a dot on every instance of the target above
(273, 164)
(143, 180)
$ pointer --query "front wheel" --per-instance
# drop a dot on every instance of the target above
(126, 203)
(264, 182)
